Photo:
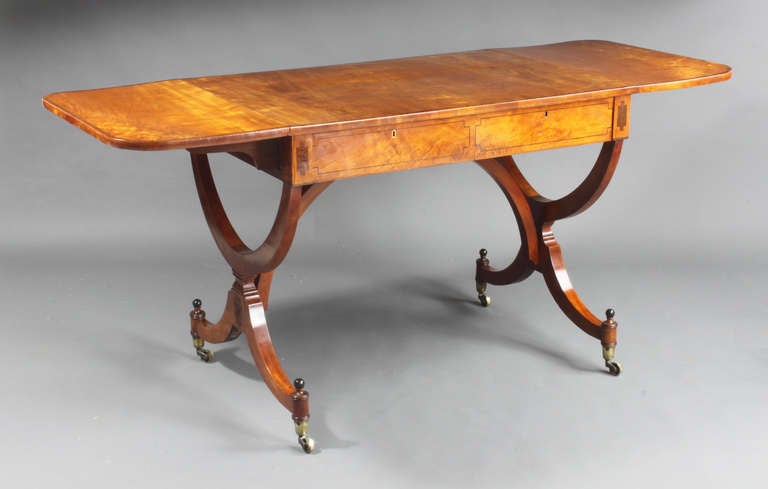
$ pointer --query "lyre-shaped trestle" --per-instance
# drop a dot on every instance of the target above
(249, 296)
(540, 251)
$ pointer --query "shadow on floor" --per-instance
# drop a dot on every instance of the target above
(311, 337)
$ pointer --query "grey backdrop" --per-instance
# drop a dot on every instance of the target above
(413, 386)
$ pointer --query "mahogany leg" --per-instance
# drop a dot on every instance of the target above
(552, 267)
(249, 295)
(540, 251)
(244, 313)
(202, 330)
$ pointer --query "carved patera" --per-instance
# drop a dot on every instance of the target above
(302, 158)
(621, 120)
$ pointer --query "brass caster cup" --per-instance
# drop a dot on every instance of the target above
(614, 367)
(305, 442)
(481, 287)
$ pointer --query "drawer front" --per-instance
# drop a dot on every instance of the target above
(338, 154)
(545, 128)
(343, 154)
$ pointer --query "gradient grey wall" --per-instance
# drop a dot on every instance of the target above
(691, 184)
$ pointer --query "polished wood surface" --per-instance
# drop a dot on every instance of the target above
(219, 110)
(248, 299)
(309, 127)
(539, 250)
(328, 156)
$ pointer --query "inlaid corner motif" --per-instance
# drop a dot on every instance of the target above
(621, 120)
(302, 158)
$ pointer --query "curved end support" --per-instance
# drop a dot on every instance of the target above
(253, 324)
(505, 173)
(245, 313)
(539, 249)
(590, 189)
(561, 288)
(558, 282)
(249, 296)
(245, 262)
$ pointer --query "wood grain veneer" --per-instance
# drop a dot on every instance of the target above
(228, 109)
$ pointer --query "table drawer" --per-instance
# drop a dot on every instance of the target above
(545, 128)
(343, 154)
(338, 154)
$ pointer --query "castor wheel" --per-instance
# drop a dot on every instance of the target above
(614, 368)
(485, 300)
(307, 444)
(205, 355)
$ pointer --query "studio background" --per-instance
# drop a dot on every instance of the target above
(413, 385)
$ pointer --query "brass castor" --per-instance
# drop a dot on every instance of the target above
(205, 355)
(305, 441)
(481, 287)
(614, 368)
(307, 444)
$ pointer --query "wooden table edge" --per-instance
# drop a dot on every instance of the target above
(254, 136)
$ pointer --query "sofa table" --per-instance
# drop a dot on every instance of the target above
(309, 127)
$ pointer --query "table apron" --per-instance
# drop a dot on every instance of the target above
(333, 155)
